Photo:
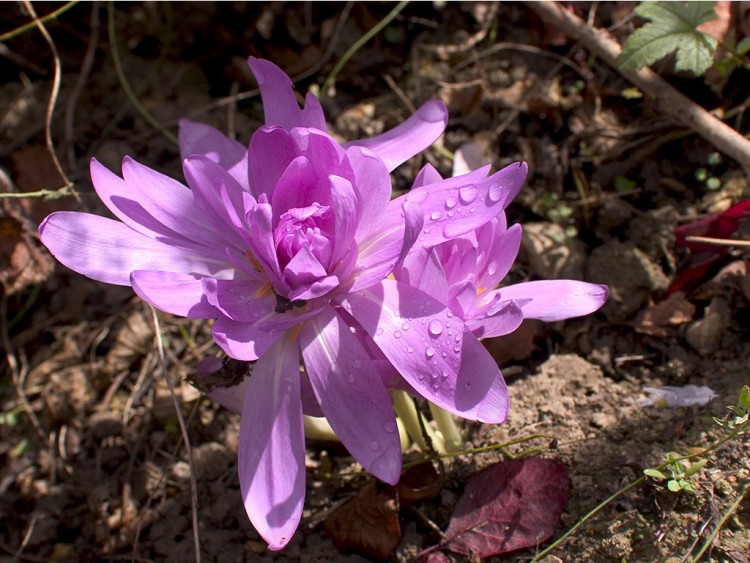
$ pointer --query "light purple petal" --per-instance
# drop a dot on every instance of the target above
(108, 251)
(324, 152)
(480, 387)
(457, 206)
(231, 398)
(351, 394)
(279, 102)
(422, 269)
(503, 253)
(178, 294)
(556, 300)
(422, 339)
(272, 446)
(373, 185)
(411, 137)
(202, 139)
(243, 341)
(345, 211)
(428, 175)
(506, 317)
(241, 300)
(271, 150)
(296, 186)
(260, 219)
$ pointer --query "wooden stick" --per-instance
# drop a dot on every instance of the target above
(666, 98)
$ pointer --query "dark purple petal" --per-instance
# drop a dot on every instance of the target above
(271, 449)
(279, 102)
(412, 136)
(351, 394)
(177, 294)
(201, 139)
(556, 300)
(108, 251)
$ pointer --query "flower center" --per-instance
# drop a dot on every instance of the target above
(299, 229)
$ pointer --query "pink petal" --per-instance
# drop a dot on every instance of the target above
(428, 175)
(201, 139)
(345, 211)
(502, 254)
(505, 317)
(271, 150)
(351, 394)
(422, 339)
(411, 137)
(108, 251)
(556, 300)
(279, 102)
(272, 446)
(241, 300)
(231, 398)
(177, 294)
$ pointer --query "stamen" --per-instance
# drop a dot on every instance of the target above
(264, 290)
(481, 290)
(253, 261)
(295, 333)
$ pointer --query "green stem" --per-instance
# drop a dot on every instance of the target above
(44, 19)
(328, 85)
(710, 539)
(408, 414)
(454, 442)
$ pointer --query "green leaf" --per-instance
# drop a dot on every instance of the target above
(743, 47)
(674, 486)
(697, 466)
(655, 473)
(672, 26)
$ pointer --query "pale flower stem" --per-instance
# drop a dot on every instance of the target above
(454, 442)
(408, 414)
(318, 428)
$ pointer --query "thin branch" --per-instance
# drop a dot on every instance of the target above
(666, 98)
(719, 241)
(24, 28)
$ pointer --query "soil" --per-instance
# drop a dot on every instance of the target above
(94, 466)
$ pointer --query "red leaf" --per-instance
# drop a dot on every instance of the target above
(508, 506)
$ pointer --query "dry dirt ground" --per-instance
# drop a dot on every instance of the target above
(94, 467)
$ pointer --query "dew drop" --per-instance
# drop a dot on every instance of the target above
(405, 326)
(449, 315)
(435, 327)
(445, 354)
(492, 268)
(379, 332)
(467, 194)
(458, 338)
(472, 209)
(451, 213)
(427, 230)
(397, 334)
(434, 375)
(374, 445)
(350, 378)
(459, 210)
(429, 352)
(410, 349)
(451, 202)
(390, 427)
(496, 192)
(450, 332)
(445, 374)
(457, 349)
(436, 215)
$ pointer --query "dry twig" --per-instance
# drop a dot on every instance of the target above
(666, 98)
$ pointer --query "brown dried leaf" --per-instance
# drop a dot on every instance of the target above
(22, 263)
(368, 522)
(657, 318)
(420, 482)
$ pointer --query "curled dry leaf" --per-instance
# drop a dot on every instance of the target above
(510, 505)
(368, 522)
(658, 318)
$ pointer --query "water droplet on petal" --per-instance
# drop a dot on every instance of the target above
(467, 194)
(451, 202)
(449, 315)
(451, 213)
(450, 332)
(457, 349)
(427, 230)
(429, 352)
(435, 327)
(410, 349)
(374, 445)
(379, 332)
(390, 427)
(397, 334)
(458, 338)
(472, 209)
(350, 378)
(405, 326)
(445, 354)
(496, 192)
(436, 215)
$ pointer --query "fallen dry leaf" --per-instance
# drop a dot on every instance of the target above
(657, 318)
(368, 522)
(510, 505)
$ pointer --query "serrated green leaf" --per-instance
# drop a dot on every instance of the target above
(673, 26)
(655, 473)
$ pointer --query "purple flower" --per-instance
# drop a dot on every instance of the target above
(465, 271)
(287, 245)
